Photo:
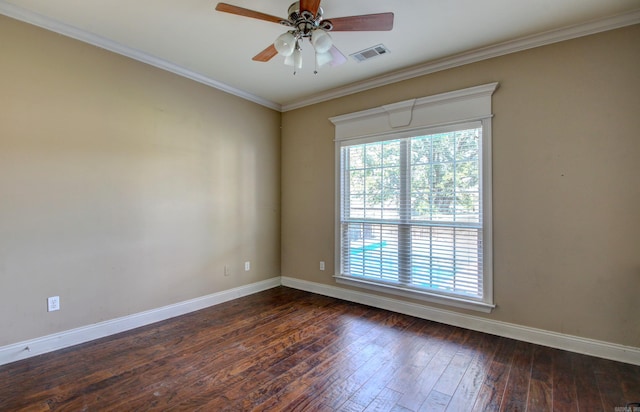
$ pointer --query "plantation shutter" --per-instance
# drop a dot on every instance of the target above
(413, 210)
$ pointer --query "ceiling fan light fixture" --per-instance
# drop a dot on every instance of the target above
(288, 60)
(321, 41)
(297, 58)
(323, 58)
(337, 56)
(285, 44)
(294, 59)
(305, 21)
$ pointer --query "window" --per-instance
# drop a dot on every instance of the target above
(413, 212)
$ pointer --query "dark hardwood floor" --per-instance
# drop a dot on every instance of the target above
(285, 349)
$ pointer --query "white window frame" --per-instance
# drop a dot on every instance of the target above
(416, 117)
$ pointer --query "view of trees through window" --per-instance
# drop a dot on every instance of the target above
(411, 211)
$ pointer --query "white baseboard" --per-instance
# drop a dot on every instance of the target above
(601, 349)
(38, 346)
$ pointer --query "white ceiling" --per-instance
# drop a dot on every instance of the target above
(190, 38)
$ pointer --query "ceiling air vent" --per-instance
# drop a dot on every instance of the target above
(370, 53)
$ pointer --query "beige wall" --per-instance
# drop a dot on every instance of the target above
(124, 188)
(566, 142)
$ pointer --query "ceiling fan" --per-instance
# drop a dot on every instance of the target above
(306, 21)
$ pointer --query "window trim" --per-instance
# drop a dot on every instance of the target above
(403, 119)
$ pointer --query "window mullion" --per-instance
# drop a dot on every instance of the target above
(404, 228)
(454, 249)
(345, 172)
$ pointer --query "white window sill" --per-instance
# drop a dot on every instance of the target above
(458, 302)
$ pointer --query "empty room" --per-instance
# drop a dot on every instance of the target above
(320, 206)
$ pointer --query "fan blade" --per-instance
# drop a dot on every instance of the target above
(266, 54)
(311, 6)
(365, 22)
(229, 8)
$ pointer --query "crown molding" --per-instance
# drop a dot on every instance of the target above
(18, 13)
(473, 56)
(496, 50)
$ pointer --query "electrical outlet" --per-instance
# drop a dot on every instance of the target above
(322, 265)
(53, 303)
(226, 270)
(247, 266)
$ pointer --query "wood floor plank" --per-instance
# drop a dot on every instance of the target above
(450, 378)
(415, 395)
(588, 396)
(356, 333)
(325, 375)
(629, 381)
(482, 352)
(607, 377)
(517, 388)
(385, 401)
(283, 374)
(491, 391)
(406, 346)
(289, 350)
(541, 384)
(430, 344)
(187, 359)
(436, 401)
(564, 383)
(248, 358)
(270, 369)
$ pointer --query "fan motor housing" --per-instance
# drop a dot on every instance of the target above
(304, 21)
